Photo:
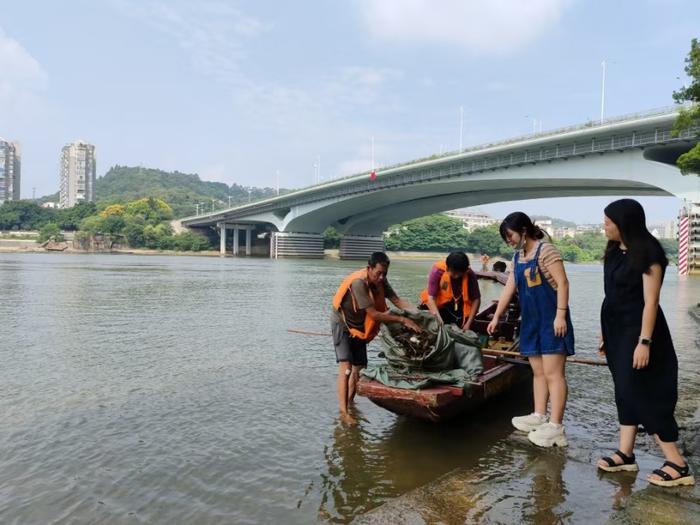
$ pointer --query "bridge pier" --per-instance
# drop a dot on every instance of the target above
(248, 232)
(360, 246)
(222, 239)
(292, 244)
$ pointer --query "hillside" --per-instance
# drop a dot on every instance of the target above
(183, 191)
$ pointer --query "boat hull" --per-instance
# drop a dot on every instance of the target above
(445, 402)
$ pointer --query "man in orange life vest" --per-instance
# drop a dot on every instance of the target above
(452, 294)
(359, 307)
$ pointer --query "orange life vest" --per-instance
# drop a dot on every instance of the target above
(445, 294)
(371, 327)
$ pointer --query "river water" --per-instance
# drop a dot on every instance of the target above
(167, 389)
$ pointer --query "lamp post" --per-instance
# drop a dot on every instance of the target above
(602, 93)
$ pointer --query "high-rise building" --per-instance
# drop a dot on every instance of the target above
(10, 170)
(78, 174)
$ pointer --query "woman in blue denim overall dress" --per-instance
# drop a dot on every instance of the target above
(546, 333)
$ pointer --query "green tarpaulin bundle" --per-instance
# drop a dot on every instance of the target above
(453, 356)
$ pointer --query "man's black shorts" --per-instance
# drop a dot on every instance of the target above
(348, 348)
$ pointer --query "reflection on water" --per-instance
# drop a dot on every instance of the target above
(166, 389)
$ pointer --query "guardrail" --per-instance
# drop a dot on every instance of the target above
(489, 161)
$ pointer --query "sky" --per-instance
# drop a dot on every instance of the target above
(254, 93)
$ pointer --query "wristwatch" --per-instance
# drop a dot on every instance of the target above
(644, 341)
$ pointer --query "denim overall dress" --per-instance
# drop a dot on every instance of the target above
(538, 306)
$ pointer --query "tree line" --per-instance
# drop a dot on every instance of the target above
(142, 223)
(440, 233)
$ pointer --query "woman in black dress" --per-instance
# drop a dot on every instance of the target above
(638, 345)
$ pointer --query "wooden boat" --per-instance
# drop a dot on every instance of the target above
(500, 375)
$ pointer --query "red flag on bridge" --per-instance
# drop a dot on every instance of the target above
(373, 175)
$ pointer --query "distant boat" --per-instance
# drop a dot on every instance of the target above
(54, 246)
(500, 376)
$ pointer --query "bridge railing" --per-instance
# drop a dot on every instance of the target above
(666, 110)
(338, 187)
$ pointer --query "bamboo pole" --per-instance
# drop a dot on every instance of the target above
(304, 332)
(569, 359)
(486, 351)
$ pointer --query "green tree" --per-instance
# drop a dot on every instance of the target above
(24, 215)
(432, 233)
(113, 209)
(690, 117)
(488, 240)
(113, 225)
(670, 246)
(133, 230)
(158, 237)
(70, 218)
(93, 225)
(50, 232)
(151, 209)
(331, 238)
(191, 241)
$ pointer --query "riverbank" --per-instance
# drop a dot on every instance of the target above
(30, 246)
(422, 256)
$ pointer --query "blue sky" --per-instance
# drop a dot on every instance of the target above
(237, 90)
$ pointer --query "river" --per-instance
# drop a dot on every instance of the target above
(167, 390)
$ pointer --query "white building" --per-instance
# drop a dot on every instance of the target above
(564, 231)
(589, 228)
(665, 230)
(546, 225)
(78, 169)
(10, 171)
(472, 219)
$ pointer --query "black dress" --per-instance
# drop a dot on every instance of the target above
(647, 396)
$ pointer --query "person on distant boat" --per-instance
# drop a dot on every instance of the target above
(452, 294)
(484, 262)
(499, 266)
(546, 332)
(359, 307)
(638, 345)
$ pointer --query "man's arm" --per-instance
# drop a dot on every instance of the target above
(474, 299)
(387, 317)
(476, 303)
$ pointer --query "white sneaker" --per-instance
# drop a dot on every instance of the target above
(529, 422)
(548, 435)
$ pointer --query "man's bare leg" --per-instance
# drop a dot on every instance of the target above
(344, 373)
(354, 378)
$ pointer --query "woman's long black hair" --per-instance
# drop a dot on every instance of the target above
(519, 222)
(643, 249)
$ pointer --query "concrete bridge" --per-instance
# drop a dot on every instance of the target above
(630, 155)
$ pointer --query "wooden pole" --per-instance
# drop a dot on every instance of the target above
(304, 332)
(486, 351)
(569, 360)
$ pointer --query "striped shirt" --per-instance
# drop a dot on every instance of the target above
(549, 254)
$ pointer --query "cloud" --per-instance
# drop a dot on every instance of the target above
(495, 27)
(212, 33)
(22, 79)
(300, 115)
